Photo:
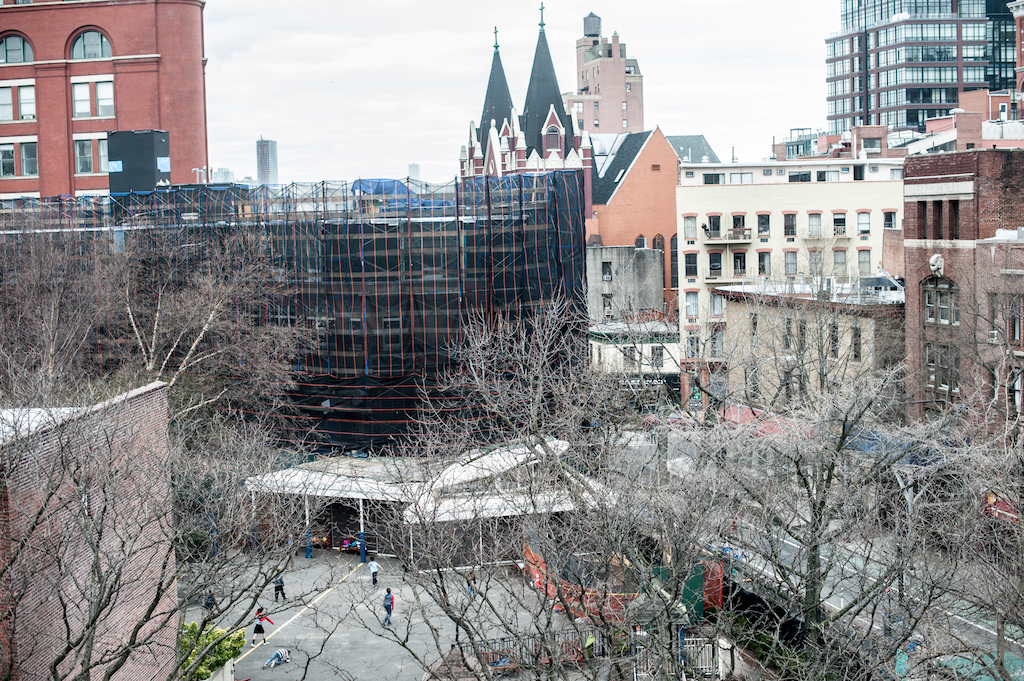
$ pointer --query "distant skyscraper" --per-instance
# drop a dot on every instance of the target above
(266, 161)
(900, 62)
(222, 175)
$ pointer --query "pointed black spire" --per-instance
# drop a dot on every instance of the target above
(542, 93)
(498, 101)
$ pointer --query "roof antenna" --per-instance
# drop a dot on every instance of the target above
(495, 38)
(542, 16)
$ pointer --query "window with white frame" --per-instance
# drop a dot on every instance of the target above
(83, 156)
(764, 264)
(839, 224)
(839, 263)
(717, 341)
(27, 102)
(790, 263)
(105, 98)
(741, 178)
(941, 301)
(14, 49)
(814, 262)
(814, 225)
(657, 356)
(6, 104)
(690, 227)
(101, 147)
(863, 223)
(864, 262)
(81, 99)
(691, 304)
(716, 304)
(29, 159)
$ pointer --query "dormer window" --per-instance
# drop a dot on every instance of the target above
(552, 140)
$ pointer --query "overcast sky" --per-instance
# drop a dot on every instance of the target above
(363, 89)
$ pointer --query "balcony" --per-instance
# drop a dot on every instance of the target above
(714, 275)
(726, 236)
(828, 235)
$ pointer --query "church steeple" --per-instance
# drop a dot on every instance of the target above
(498, 100)
(542, 94)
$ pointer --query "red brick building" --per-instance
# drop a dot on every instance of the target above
(964, 260)
(70, 72)
(87, 570)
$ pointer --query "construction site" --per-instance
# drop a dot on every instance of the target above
(381, 274)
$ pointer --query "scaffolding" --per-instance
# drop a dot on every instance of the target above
(384, 273)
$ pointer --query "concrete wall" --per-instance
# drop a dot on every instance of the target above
(633, 285)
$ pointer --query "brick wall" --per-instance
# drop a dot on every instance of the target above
(83, 538)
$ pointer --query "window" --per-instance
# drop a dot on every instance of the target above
(691, 264)
(763, 225)
(625, 123)
(657, 356)
(814, 262)
(896, 173)
(741, 178)
(105, 103)
(717, 341)
(800, 176)
(6, 160)
(641, 241)
(29, 159)
(833, 339)
(674, 261)
(739, 221)
(790, 263)
(739, 264)
(954, 219)
(764, 264)
(801, 335)
(855, 343)
(102, 148)
(81, 100)
(889, 221)
(550, 136)
(839, 263)
(578, 107)
(629, 357)
(6, 104)
(14, 49)
(714, 178)
(659, 243)
(690, 227)
(597, 106)
(27, 102)
(941, 301)
(606, 304)
(789, 224)
(839, 224)
(714, 265)
(767, 172)
(691, 303)
(623, 106)
(83, 156)
(606, 271)
(716, 305)
(629, 87)
(864, 262)
(828, 176)
(863, 223)
(693, 346)
(940, 362)
(872, 144)
(753, 324)
(597, 123)
(787, 334)
(814, 225)
(714, 230)
(90, 45)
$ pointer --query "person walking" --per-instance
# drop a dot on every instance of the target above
(210, 604)
(471, 585)
(279, 587)
(389, 603)
(280, 656)
(374, 569)
(259, 631)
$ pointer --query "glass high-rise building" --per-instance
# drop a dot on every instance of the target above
(900, 62)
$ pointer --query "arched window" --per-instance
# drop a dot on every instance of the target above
(551, 139)
(90, 45)
(14, 49)
(659, 243)
(641, 241)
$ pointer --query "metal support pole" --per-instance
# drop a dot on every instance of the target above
(309, 531)
(362, 535)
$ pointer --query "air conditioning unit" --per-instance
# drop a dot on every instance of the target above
(993, 336)
(606, 277)
(28, 117)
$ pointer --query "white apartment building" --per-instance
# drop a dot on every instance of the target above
(812, 221)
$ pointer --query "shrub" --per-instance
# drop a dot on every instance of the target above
(192, 643)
